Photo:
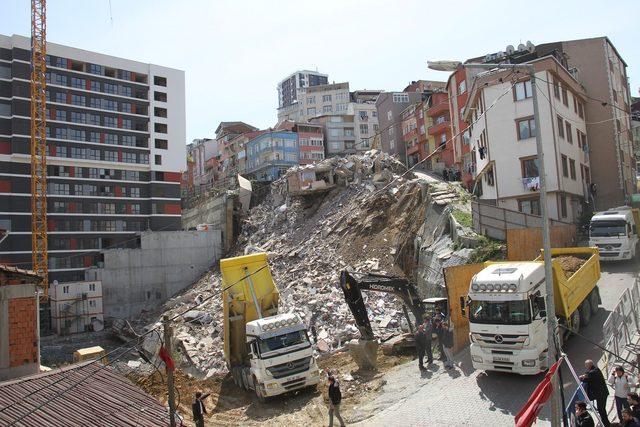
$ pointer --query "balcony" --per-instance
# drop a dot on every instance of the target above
(438, 109)
(531, 184)
(438, 128)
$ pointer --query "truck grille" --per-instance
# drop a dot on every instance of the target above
(290, 368)
(501, 339)
(608, 245)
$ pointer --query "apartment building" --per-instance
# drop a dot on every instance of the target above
(270, 154)
(439, 113)
(310, 140)
(198, 152)
(460, 132)
(115, 137)
(323, 99)
(503, 146)
(234, 157)
(227, 132)
(415, 142)
(390, 106)
(288, 92)
(339, 133)
(76, 307)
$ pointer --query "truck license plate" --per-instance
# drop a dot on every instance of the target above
(500, 359)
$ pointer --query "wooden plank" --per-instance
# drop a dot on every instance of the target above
(524, 244)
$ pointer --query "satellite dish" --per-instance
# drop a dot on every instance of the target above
(530, 46)
(521, 47)
(510, 49)
(55, 283)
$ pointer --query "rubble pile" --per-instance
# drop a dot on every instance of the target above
(570, 264)
(351, 212)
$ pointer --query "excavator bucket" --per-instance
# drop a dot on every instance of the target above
(364, 353)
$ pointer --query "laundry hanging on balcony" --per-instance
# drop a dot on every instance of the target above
(531, 184)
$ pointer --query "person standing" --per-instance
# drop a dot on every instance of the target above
(596, 388)
(447, 344)
(428, 331)
(198, 409)
(628, 420)
(621, 383)
(335, 397)
(439, 335)
(421, 345)
(583, 418)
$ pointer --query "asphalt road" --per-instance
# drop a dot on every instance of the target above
(469, 397)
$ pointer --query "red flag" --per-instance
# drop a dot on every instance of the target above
(529, 412)
(166, 358)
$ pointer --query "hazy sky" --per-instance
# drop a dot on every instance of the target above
(235, 52)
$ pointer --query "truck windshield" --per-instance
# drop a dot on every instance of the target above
(500, 312)
(282, 341)
(608, 228)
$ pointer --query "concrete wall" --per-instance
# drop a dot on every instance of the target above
(134, 280)
(215, 211)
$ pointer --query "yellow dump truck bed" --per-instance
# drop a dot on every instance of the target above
(569, 292)
(238, 303)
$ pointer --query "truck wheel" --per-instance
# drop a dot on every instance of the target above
(585, 312)
(261, 397)
(594, 301)
(576, 321)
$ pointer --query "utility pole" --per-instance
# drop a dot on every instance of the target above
(552, 329)
(172, 397)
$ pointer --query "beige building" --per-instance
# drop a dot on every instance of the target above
(76, 307)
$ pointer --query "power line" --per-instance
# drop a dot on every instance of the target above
(115, 350)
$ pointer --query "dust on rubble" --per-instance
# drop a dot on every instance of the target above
(570, 264)
(229, 405)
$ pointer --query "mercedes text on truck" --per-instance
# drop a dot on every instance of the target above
(507, 315)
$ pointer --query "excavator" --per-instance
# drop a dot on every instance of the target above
(365, 350)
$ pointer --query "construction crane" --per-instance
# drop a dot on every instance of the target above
(39, 142)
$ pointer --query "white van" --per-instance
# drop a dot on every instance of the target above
(615, 233)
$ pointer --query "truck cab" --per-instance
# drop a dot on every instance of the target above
(615, 233)
(281, 356)
(507, 318)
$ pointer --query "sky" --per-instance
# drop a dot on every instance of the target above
(235, 52)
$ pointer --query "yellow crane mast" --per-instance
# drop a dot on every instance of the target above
(39, 141)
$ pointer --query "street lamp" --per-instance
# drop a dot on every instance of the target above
(452, 66)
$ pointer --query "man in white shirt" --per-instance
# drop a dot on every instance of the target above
(622, 384)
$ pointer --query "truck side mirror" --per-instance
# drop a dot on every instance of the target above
(463, 305)
(542, 314)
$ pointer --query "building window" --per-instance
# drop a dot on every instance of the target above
(569, 133)
(389, 115)
(443, 139)
(125, 91)
(65, 289)
(311, 99)
(522, 90)
(78, 83)
(61, 133)
(126, 124)
(61, 115)
(160, 96)
(109, 156)
(110, 138)
(326, 109)
(526, 128)
(580, 109)
(160, 127)
(563, 206)
(94, 119)
(160, 112)
(108, 104)
(560, 127)
(572, 169)
(61, 97)
(128, 140)
(375, 128)
(78, 117)
(78, 100)
(364, 129)
(110, 88)
(77, 135)
(462, 87)
(110, 122)
(158, 159)
(400, 97)
(565, 96)
(128, 157)
(529, 168)
(392, 144)
(311, 111)
(95, 69)
(341, 107)
(95, 86)
(348, 132)
(529, 206)
(326, 98)
(160, 81)
(565, 167)
(125, 107)
(60, 80)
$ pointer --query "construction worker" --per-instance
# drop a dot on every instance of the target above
(198, 409)
(335, 397)
(421, 345)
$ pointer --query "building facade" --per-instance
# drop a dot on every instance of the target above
(270, 154)
(440, 129)
(198, 152)
(503, 143)
(310, 142)
(229, 148)
(115, 138)
(76, 307)
(460, 132)
(289, 88)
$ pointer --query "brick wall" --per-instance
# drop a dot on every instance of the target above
(23, 339)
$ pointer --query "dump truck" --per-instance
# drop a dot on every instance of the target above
(266, 352)
(615, 233)
(507, 314)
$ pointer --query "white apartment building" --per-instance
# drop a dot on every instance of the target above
(76, 307)
(503, 145)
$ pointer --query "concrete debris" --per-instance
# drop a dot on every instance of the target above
(311, 232)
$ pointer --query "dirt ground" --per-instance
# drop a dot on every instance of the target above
(229, 405)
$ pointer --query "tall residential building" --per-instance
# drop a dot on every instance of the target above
(198, 152)
(458, 94)
(288, 90)
(503, 143)
(390, 105)
(115, 138)
(439, 114)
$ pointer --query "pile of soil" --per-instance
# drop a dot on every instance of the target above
(570, 264)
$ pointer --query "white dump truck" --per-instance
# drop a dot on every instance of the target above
(507, 314)
(267, 352)
(615, 233)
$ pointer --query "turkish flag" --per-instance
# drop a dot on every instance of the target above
(529, 412)
(166, 358)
